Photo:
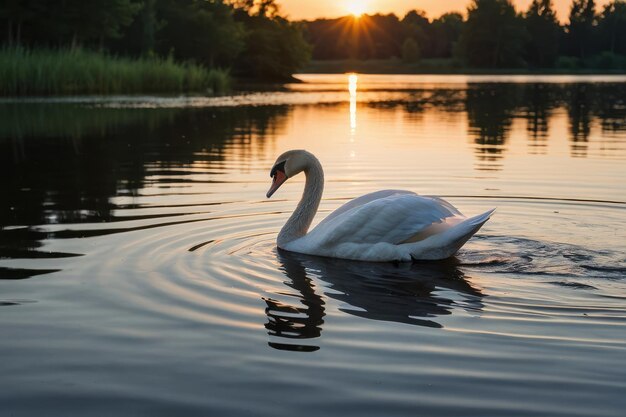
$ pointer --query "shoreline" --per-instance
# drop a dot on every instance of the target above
(244, 87)
(438, 67)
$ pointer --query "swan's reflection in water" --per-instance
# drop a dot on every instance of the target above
(414, 293)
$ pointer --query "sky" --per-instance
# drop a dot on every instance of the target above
(312, 9)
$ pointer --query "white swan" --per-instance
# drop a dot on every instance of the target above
(387, 225)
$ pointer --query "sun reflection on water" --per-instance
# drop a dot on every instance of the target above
(352, 88)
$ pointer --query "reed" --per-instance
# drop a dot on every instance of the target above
(79, 71)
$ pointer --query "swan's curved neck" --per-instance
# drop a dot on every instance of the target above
(302, 217)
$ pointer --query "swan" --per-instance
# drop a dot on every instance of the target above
(383, 226)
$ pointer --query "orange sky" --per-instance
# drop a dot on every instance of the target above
(311, 9)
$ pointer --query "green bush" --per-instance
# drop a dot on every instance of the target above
(79, 71)
(608, 61)
(567, 62)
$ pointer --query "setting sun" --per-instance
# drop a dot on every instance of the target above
(356, 7)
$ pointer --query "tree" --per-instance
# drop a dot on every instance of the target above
(327, 37)
(544, 31)
(274, 48)
(17, 14)
(417, 27)
(410, 51)
(612, 27)
(494, 35)
(267, 8)
(58, 22)
(141, 36)
(96, 20)
(580, 28)
(199, 30)
(380, 36)
(445, 34)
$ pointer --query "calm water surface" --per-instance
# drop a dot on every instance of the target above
(139, 274)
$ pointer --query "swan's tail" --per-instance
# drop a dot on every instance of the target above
(447, 243)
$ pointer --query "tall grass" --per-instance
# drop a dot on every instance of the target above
(78, 71)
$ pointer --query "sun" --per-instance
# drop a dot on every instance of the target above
(356, 7)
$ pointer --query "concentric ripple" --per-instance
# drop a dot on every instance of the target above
(221, 268)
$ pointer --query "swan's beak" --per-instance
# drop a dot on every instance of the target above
(277, 180)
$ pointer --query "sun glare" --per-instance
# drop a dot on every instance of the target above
(356, 7)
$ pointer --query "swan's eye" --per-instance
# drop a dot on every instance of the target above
(278, 167)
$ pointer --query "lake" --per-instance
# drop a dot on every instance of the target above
(139, 274)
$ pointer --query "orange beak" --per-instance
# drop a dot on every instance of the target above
(277, 180)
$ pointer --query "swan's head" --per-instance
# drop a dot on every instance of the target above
(286, 166)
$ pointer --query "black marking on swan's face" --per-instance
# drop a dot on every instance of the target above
(278, 167)
(278, 177)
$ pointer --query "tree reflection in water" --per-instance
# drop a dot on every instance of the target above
(66, 163)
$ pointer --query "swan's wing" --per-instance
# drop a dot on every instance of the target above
(447, 205)
(392, 219)
(364, 199)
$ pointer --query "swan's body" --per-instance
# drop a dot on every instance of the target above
(387, 225)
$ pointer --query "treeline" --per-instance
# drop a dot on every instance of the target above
(249, 37)
(493, 35)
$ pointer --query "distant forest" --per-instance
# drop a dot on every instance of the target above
(249, 37)
(492, 35)
(252, 39)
